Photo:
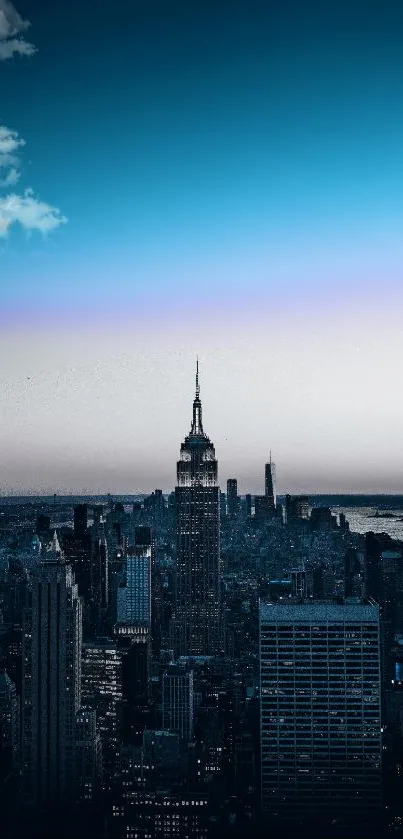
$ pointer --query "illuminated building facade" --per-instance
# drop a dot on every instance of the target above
(134, 590)
(196, 623)
(102, 691)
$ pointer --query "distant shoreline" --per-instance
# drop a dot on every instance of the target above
(334, 500)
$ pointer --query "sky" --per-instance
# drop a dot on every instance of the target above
(214, 178)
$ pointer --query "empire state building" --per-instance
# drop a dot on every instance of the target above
(197, 619)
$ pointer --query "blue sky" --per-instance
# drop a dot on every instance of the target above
(201, 156)
(159, 129)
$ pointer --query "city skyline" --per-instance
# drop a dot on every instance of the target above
(222, 180)
(249, 479)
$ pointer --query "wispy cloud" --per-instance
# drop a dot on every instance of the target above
(29, 212)
(26, 209)
(12, 26)
(10, 143)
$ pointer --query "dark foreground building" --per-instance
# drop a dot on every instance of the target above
(320, 713)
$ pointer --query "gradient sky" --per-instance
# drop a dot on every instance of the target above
(220, 178)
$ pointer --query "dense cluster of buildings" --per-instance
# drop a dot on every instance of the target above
(198, 664)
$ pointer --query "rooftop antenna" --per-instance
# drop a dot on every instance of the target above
(197, 425)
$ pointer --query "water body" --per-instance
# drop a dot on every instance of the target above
(363, 519)
(379, 513)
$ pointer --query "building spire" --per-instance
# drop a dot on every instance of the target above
(197, 425)
(197, 378)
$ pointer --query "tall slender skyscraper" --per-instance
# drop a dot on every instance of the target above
(232, 497)
(270, 482)
(196, 623)
(51, 680)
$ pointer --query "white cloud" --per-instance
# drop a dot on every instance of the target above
(11, 178)
(29, 212)
(26, 210)
(15, 45)
(11, 27)
(11, 23)
(10, 143)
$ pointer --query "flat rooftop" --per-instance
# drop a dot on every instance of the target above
(318, 611)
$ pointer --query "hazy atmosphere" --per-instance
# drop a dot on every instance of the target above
(214, 179)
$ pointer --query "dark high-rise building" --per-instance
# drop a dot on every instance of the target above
(9, 729)
(223, 505)
(43, 525)
(380, 584)
(143, 536)
(9, 751)
(15, 591)
(321, 519)
(177, 701)
(297, 507)
(102, 692)
(320, 711)
(51, 680)
(77, 547)
(352, 569)
(88, 756)
(263, 507)
(373, 580)
(80, 520)
(97, 511)
(135, 650)
(99, 577)
(270, 482)
(196, 624)
(318, 582)
(299, 583)
(232, 497)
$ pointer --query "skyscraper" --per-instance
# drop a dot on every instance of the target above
(320, 710)
(135, 650)
(134, 590)
(196, 623)
(177, 701)
(296, 507)
(9, 728)
(77, 550)
(51, 680)
(99, 574)
(270, 482)
(9, 751)
(102, 692)
(88, 756)
(232, 497)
